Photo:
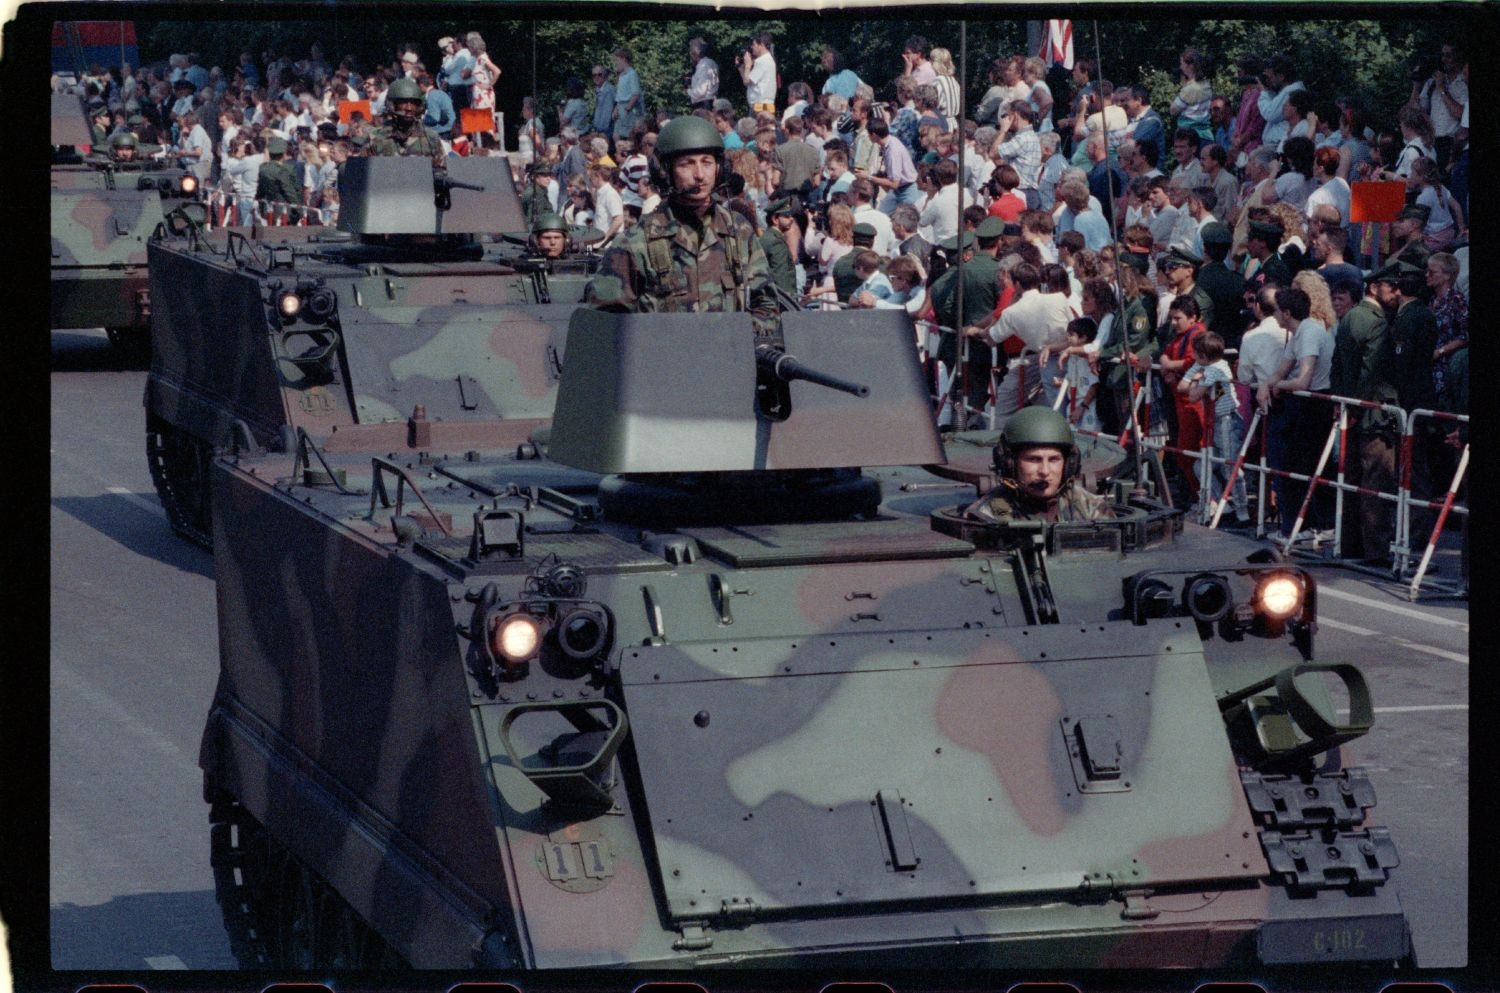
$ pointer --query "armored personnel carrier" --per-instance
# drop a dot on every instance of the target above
(400, 332)
(103, 213)
(725, 682)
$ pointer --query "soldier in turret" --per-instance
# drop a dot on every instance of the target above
(402, 132)
(549, 236)
(1037, 462)
(123, 152)
(690, 255)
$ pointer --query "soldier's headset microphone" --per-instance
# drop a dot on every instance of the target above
(661, 178)
(1005, 460)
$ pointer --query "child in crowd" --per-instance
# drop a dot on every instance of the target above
(1211, 383)
(874, 282)
(1079, 376)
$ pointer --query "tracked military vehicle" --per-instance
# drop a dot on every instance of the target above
(400, 332)
(727, 683)
(103, 213)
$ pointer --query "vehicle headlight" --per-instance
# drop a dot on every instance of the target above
(1207, 597)
(189, 184)
(517, 638)
(1279, 596)
(290, 304)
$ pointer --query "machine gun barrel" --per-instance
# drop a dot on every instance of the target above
(786, 368)
(453, 184)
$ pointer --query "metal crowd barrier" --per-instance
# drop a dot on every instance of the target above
(223, 206)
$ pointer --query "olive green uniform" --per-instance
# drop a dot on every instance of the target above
(534, 201)
(845, 279)
(980, 295)
(389, 139)
(277, 184)
(1363, 369)
(675, 262)
(1136, 336)
(1072, 503)
(779, 260)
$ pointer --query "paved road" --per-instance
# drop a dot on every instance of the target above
(134, 660)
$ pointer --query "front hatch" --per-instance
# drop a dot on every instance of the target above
(844, 770)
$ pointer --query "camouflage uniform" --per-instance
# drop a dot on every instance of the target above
(1006, 503)
(664, 265)
(388, 139)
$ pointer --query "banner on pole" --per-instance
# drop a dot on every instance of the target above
(1376, 203)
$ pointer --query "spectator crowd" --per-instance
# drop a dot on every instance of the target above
(1094, 231)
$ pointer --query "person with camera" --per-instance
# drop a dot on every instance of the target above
(758, 71)
(1278, 80)
(1442, 93)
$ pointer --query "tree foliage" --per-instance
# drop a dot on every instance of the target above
(1368, 59)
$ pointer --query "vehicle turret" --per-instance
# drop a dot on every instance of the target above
(695, 418)
(402, 331)
(405, 195)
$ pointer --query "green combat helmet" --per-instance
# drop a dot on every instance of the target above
(549, 221)
(680, 136)
(402, 89)
(688, 134)
(1036, 426)
(123, 139)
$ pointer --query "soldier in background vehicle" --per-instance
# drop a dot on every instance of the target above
(692, 254)
(1037, 462)
(403, 133)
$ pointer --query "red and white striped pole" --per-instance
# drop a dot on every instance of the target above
(1416, 581)
(1312, 486)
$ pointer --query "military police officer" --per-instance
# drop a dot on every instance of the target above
(276, 188)
(402, 132)
(1037, 462)
(779, 259)
(691, 254)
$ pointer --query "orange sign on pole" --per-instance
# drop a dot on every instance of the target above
(348, 107)
(1376, 203)
(476, 120)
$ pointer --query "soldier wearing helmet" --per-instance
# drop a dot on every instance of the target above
(402, 132)
(690, 255)
(1037, 462)
(122, 146)
(549, 235)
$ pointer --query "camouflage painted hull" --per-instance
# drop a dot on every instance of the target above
(390, 352)
(99, 257)
(858, 742)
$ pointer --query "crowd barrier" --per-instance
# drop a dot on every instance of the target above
(223, 205)
(1337, 448)
(1329, 473)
